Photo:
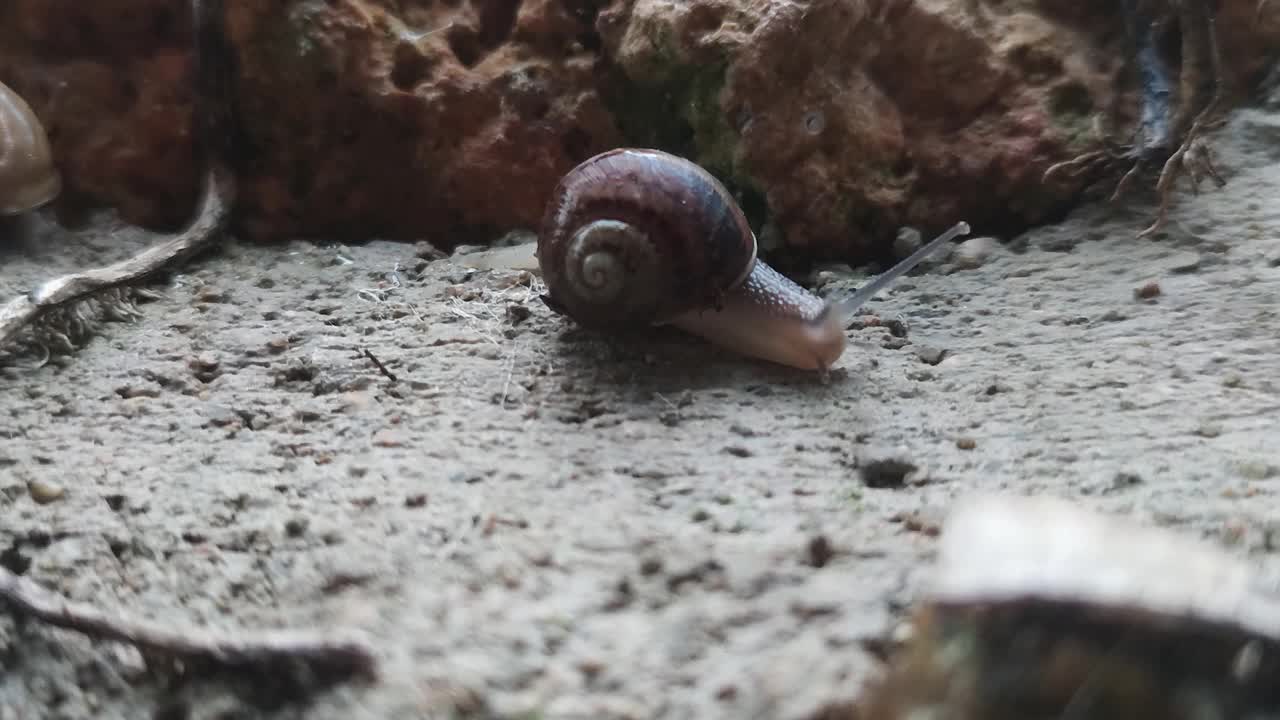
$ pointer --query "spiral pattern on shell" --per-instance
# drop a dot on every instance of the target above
(636, 237)
(28, 177)
(599, 256)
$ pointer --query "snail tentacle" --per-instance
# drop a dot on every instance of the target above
(845, 307)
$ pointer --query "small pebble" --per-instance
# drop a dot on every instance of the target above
(1209, 430)
(138, 391)
(974, 252)
(1148, 291)
(206, 368)
(918, 523)
(1257, 470)
(1124, 480)
(887, 473)
(218, 415)
(908, 241)
(44, 492)
(930, 355)
(296, 527)
(1185, 262)
(517, 314)
(820, 551)
(427, 251)
(388, 438)
(211, 295)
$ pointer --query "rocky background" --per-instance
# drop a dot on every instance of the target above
(534, 522)
(835, 121)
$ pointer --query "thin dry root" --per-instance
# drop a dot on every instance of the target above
(1194, 156)
(1076, 166)
(1196, 160)
(68, 289)
(1126, 181)
(259, 648)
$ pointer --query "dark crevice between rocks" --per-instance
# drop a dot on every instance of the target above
(683, 116)
(497, 20)
(464, 44)
(409, 66)
(586, 12)
(576, 143)
(12, 559)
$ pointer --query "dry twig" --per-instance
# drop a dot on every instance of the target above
(378, 364)
(73, 287)
(343, 656)
(218, 141)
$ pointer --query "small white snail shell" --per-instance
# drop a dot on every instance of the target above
(28, 176)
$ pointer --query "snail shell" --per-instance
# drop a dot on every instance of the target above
(28, 176)
(638, 237)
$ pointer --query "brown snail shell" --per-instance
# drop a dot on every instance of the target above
(28, 176)
(636, 237)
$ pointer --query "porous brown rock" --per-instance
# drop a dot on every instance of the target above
(109, 82)
(834, 121)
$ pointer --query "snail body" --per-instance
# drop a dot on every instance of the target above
(635, 237)
(28, 176)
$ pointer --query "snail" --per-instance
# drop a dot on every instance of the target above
(634, 237)
(28, 176)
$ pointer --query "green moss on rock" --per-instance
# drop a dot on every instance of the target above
(667, 102)
(1071, 111)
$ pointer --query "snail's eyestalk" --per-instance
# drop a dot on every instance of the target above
(772, 318)
(845, 308)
